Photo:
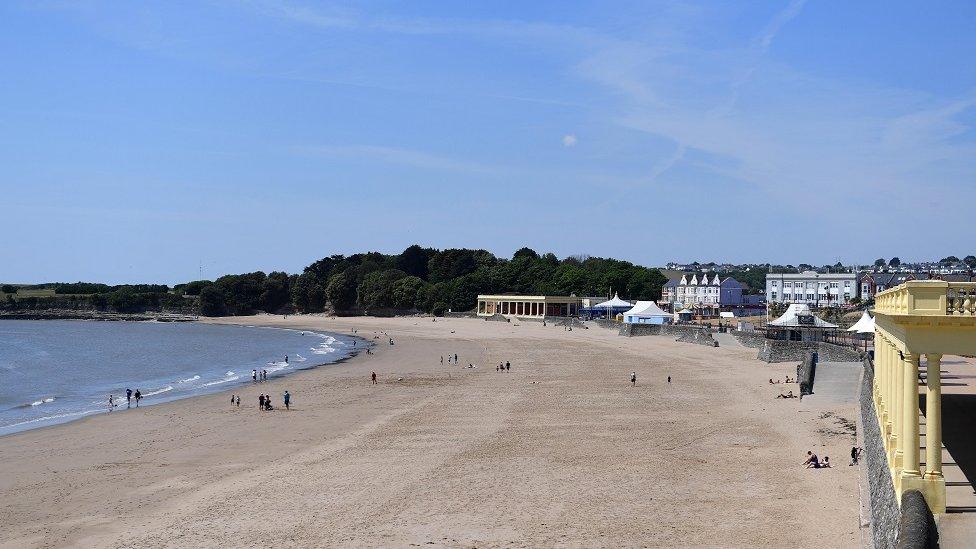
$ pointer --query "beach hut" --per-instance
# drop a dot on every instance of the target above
(646, 312)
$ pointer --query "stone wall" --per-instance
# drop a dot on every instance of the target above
(917, 528)
(754, 340)
(884, 502)
(774, 350)
(806, 373)
(682, 333)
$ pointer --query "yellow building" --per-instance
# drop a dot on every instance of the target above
(914, 321)
(529, 306)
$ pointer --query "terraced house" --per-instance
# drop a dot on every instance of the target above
(811, 288)
(701, 293)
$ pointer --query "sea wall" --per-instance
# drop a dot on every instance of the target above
(752, 340)
(682, 333)
(806, 372)
(884, 502)
(774, 350)
(60, 314)
(917, 528)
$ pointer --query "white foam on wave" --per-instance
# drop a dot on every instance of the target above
(299, 358)
(48, 418)
(229, 373)
(158, 391)
(42, 401)
(189, 379)
(219, 381)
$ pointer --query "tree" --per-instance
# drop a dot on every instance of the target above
(525, 252)
(894, 262)
(880, 262)
(970, 261)
(376, 288)
(949, 260)
(307, 293)
(413, 261)
(341, 292)
(212, 301)
(8, 289)
(194, 288)
(274, 294)
(404, 292)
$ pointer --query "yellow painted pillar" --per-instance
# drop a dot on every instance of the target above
(879, 377)
(897, 411)
(889, 400)
(933, 484)
(910, 473)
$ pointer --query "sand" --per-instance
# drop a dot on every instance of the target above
(560, 451)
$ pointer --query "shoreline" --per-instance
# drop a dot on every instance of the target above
(72, 417)
(561, 450)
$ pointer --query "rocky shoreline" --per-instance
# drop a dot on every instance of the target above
(67, 314)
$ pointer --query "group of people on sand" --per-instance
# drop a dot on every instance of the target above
(449, 359)
(264, 401)
(129, 395)
(257, 376)
(812, 462)
(788, 380)
(506, 367)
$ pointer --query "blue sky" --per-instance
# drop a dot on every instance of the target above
(141, 141)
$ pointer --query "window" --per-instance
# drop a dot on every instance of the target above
(833, 284)
(774, 284)
(847, 284)
(774, 295)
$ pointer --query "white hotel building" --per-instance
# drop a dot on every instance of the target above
(811, 288)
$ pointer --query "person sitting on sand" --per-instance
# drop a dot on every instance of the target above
(826, 463)
(812, 461)
(770, 381)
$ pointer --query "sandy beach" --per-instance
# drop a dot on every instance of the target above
(560, 451)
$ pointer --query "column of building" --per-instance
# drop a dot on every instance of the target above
(933, 483)
(910, 473)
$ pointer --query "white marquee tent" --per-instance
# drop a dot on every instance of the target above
(798, 315)
(615, 303)
(646, 312)
(864, 325)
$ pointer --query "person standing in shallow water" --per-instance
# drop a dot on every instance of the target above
(138, 397)
(128, 398)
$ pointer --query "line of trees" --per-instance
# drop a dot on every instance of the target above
(418, 279)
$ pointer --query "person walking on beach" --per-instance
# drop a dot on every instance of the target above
(238, 401)
(455, 358)
(128, 398)
(373, 376)
(508, 365)
(633, 379)
(669, 379)
(442, 359)
(261, 401)
(111, 403)
(287, 399)
(254, 375)
(138, 397)
(232, 399)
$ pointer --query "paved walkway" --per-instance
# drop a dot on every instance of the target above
(727, 340)
(835, 383)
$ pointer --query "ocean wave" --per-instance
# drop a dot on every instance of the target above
(158, 391)
(219, 381)
(42, 401)
(189, 379)
(48, 418)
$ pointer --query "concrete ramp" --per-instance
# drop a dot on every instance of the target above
(728, 341)
(835, 382)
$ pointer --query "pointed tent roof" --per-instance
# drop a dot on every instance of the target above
(864, 325)
(614, 303)
(792, 318)
(646, 309)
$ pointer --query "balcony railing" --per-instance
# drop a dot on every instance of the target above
(928, 298)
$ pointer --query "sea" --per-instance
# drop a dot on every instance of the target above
(54, 371)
